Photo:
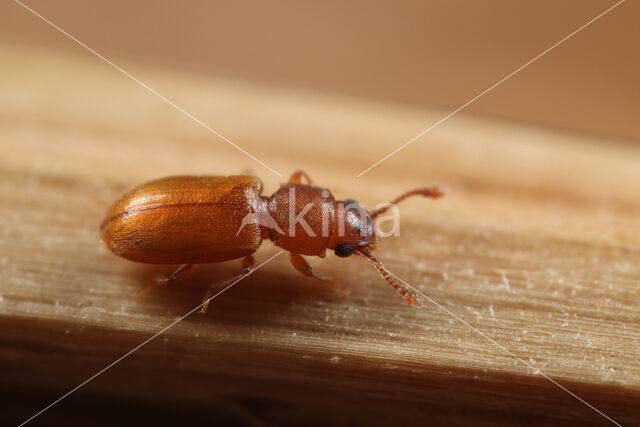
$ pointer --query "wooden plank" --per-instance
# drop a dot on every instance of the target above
(535, 245)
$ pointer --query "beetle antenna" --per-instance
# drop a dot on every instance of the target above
(404, 292)
(434, 192)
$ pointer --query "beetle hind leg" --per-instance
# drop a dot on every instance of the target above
(247, 267)
(182, 272)
(300, 264)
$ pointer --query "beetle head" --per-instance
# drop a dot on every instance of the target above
(353, 229)
(354, 232)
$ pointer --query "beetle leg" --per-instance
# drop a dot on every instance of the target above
(182, 272)
(300, 264)
(247, 266)
(296, 177)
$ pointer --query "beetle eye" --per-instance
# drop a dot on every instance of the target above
(344, 250)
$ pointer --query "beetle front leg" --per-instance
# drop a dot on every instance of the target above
(301, 264)
(182, 272)
(296, 177)
(247, 266)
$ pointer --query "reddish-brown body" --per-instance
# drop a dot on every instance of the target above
(193, 219)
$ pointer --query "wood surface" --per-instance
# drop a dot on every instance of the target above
(536, 244)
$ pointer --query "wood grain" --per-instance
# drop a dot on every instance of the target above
(536, 244)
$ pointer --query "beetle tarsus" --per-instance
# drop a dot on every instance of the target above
(247, 266)
(301, 264)
(182, 272)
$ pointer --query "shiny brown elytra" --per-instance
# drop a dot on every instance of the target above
(192, 220)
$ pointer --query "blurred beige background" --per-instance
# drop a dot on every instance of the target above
(439, 53)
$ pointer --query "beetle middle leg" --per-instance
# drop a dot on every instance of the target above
(301, 264)
(247, 266)
(182, 272)
(296, 177)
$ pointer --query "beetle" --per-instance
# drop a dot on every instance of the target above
(193, 220)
